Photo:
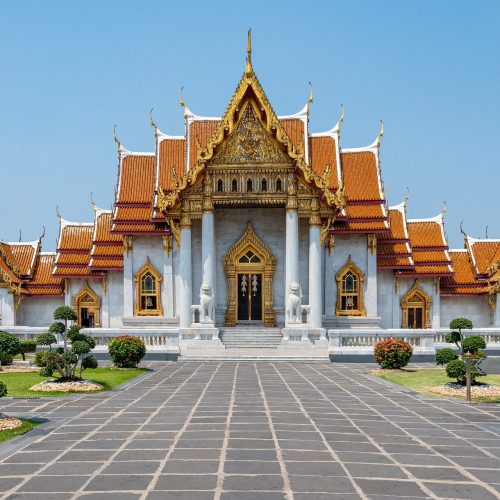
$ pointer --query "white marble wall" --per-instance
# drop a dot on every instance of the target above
(386, 303)
(354, 245)
(477, 309)
(7, 310)
(269, 225)
(38, 311)
(196, 262)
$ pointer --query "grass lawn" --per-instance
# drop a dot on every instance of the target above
(27, 426)
(421, 380)
(18, 384)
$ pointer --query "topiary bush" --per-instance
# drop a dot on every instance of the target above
(126, 351)
(444, 356)
(473, 344)
(393, 353)
(41, 358)
(3, 390)
(456, 369)
(9, 347)
(27, 346)
(47, 339)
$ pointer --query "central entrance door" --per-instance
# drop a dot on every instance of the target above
(250, 297)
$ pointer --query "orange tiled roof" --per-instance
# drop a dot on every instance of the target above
(25, 255)
(125, 228)
(463, 281)
(484, 253)
(102, 229)
(394, 262)
(365, 212)
(98, 263)
(136, 178)
(360, 176)
(294, 128)
(172, 156)
(43, 281)
(200, 132)
(323, 152)
(392, 248)
(74, 272)
(398, 225)
(105, 243)
(426, 233)
(343, 226)
(7, 274)
(75, 237)
(71, 259)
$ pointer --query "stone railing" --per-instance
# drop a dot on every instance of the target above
(153, 338)
(491, 336)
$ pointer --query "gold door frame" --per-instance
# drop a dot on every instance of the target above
(239, 271)
(266, 267)
(86, 297)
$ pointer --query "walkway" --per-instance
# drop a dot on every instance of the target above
(255, 431)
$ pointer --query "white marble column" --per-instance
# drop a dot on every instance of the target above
(371, 277)
(128, 278)
(396, 308)
(104, 320)
(185, 272)
(291, 249)
(67, 293)
(436, 305)
(315, 302)
(496, 313)
(167, 293)
(208, 248)
(7, 309)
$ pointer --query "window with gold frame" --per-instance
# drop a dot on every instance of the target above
(350, 283)
(148, 291)
(416, 308)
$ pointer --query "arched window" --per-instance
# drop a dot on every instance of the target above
(234, 186)
(416, 308)
(263, 186)
(350, 283)
(249, 185)
(220, 186)
(278, 185)
(87, 305)
(148, 287)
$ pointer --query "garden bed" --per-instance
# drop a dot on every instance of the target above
(19, 383)
(435, 383)
(23, 428)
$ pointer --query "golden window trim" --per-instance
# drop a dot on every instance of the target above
(266, 267)
(147, 268)
(350, 266)
(86, 297)
(406, 303)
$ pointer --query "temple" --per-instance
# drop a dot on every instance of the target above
(251, 223)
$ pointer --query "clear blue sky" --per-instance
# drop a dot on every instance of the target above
(70, 70)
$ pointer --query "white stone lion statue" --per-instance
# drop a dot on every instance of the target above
(294, 302)
(206, 303)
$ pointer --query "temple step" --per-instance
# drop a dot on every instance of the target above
(250, 337)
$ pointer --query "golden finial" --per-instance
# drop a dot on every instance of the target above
(443, 211)
(462, 229)
(407, 197)
(486, 233)
(43, 233)
(20, 236)
(152, 122)
(380, 134)
(311, 94)
(249, 69)
(181, 99)
(92, 202)
(118, 143)
(58, 214)
(341, 120)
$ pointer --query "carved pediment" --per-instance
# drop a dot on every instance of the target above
(249, 143)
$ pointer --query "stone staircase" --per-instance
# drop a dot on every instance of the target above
(250, 337)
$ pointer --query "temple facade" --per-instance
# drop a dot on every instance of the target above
(250, 220)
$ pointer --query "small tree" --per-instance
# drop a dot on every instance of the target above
(65, 360)
(9, 347)
(456, 368)
(27, 346)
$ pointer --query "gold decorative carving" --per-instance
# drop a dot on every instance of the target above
(87, 298)
(372, 243)
(351, 296)
(250, 143)
(174, 227)
(415, 297)
(17, 302)
(127, 244)
(266, 266)
(327, 239)
(147, 268)
(167, 244)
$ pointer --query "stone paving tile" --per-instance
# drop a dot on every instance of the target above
(256, 431)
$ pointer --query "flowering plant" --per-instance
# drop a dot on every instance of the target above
(392, 353)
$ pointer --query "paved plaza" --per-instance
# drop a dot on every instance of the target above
(249, 430)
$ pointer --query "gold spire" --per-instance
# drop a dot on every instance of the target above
(443, 211)
(118, 143)
(181, 99)
(152, 122)
(92, 202)
(380, 134)
(407, 197)
(43, 233)
(249, 69)
(341, 120)
(58, 214)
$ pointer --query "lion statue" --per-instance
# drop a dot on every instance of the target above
(207, 303)
(294, 302)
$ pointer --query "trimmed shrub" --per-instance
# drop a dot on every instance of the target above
(3, 389)
(9, 347)
(393, 353)
(461, 324)
(126, 351)
(456, 369)
(473, 343)
(41, 358)
(444, 356)
(47, 339)
(27, 346)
